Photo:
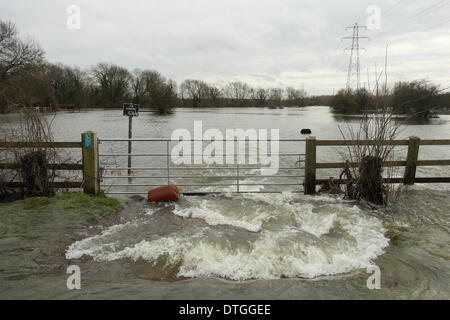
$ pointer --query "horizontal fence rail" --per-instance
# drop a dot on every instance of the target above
(90, 179)
(56, 145)
(335, 143)
(301, 175)
(57, 185)
(411, 163)
(52, 166)
(420, 163)
(400, 180)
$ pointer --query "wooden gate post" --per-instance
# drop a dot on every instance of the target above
(91, 180)
(310, 166)
(411, 160)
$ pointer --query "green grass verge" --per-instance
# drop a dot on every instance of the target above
(42, 217)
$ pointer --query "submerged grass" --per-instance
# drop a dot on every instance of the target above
(35, 232)
(40, 216)
(394, 233)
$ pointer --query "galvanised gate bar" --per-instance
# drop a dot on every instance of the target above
(212, 178)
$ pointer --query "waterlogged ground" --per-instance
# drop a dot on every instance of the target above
(245, 247)
(232, 246)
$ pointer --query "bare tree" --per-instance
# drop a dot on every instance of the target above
(67, 84)
(137, 85)
(213, 95)
(365, 182)
(260, 97)
(275, 97)
(114, 82)
(16, 53)
(163, 96)
(416, 98)
(238, 91)
(151, 89)
(196, 90)
(295, 96)
(34, 160)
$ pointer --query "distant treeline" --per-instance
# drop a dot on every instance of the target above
(417, 99)
(27, 80)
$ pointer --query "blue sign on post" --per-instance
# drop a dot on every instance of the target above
(87, 140)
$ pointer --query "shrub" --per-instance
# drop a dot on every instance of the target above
(351, 101)
(416, 98)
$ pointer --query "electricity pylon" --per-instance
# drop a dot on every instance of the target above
(354, 55)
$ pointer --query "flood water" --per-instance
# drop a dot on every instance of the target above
(252, 246)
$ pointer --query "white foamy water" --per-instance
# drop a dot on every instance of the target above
(247, 237)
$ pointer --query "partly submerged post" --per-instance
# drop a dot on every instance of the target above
(411, 160)
(130, 110)
(310, 166)
(130, 148)
(91, 181)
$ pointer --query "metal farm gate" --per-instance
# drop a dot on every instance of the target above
(149, 165)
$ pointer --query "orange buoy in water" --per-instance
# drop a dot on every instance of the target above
(166, 193)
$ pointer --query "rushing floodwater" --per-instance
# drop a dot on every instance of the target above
(274, 246)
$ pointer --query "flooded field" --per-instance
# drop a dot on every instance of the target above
(248, 246)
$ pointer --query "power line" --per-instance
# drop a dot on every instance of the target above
(392, 9)
(431, 9)
(354, 62)
(417, 17)
(437, 25)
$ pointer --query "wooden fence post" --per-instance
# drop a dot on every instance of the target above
(411, 160)
(91, 181)
(310, 166)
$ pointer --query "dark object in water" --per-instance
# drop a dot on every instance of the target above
(331, 186)
(137, 198)
(306, 131)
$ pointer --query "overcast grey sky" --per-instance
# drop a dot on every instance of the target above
(263, 42)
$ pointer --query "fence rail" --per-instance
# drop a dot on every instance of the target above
(56, 145)
(401, 180)
(52, 166)
(90, 178)
(336, 143)
(420, 163)
(411, 163)
(57, 185)
(307, 161)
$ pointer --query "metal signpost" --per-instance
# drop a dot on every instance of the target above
(130, 110)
